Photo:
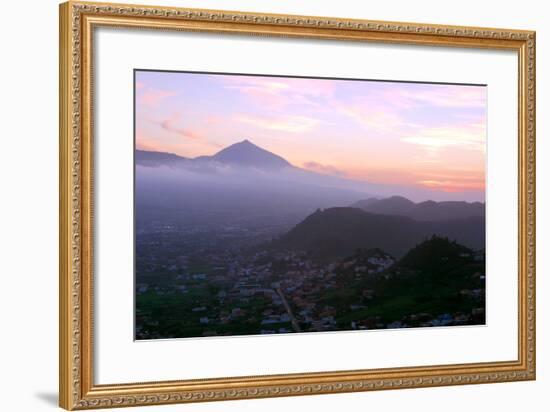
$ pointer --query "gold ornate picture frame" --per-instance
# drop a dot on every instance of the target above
(77, 389)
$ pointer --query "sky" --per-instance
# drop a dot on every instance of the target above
(415, 134)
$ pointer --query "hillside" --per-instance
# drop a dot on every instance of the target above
(435, 255)
(340, 231)
(438, 282)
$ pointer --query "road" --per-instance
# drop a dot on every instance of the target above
(295, 324)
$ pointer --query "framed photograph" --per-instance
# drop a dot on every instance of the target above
(258, 205)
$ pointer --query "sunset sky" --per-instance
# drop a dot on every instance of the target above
(419, 135)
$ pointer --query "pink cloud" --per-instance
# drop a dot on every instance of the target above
(151, 97)
(146, 143)
(212, 119)
(382, 113)
(372, 117)
(277, 93)
(172, 124)
(286, 123)
(436, 96)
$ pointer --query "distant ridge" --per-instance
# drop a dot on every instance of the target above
(244, 153)
(244, 158)
(155, 159)
(423, 211)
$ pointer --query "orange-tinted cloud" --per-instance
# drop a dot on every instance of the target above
(452, 185)
(467, 137)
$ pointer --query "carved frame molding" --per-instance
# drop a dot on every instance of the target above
(77, 21)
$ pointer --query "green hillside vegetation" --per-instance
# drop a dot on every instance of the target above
(436, 279)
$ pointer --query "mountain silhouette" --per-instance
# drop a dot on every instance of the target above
(422, 211)
(240, 161)
(238, 164)
(241, 154)
(246, 153)
(242, 181)
(339, 231)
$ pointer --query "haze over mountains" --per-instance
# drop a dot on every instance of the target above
(246, 184)
(422, 211)
(242, 181)
(245, 156)
(243, 162)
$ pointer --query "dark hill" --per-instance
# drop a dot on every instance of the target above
(435, 254)
(340, 231)
(395, 205)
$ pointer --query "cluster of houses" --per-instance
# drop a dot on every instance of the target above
(278, 290)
